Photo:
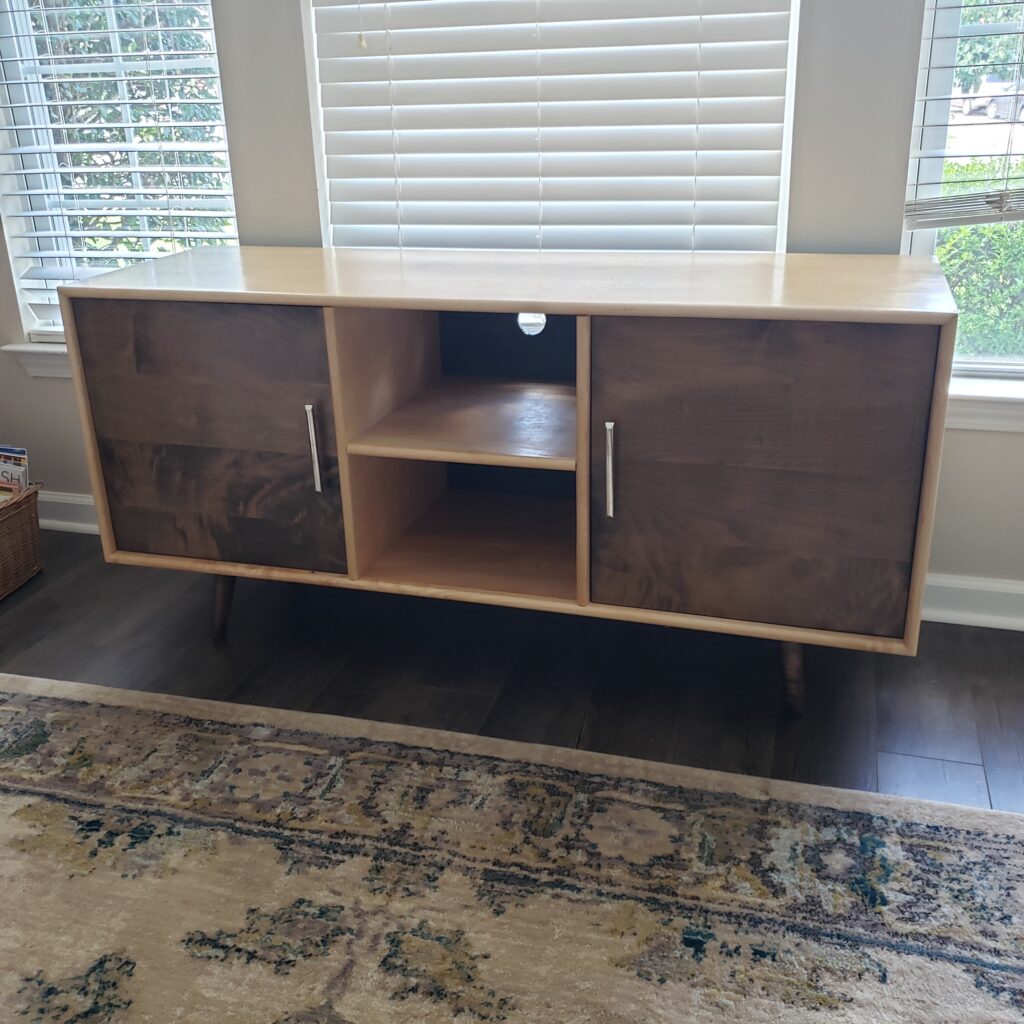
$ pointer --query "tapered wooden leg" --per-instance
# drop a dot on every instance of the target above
(792, 657)
(223, 592)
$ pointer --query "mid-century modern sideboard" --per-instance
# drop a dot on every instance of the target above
(745, 443)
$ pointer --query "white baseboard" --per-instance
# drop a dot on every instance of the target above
(974, 601)
(963, 600)
(72, 513)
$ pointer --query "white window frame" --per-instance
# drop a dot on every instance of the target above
(30, 101)
(922, 241)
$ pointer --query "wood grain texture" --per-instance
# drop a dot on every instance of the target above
(161, 418)
(380, 358)
(474, 540)
(930, 481)
(482, 422)
(85, 418)
(928, 708)
(951, 782)
(764, 471)
(385, 356)
(387, 496)
(341, 450)
(233, 504)
(583, 459)
(791, 286)
(201, 433)
(659, 693)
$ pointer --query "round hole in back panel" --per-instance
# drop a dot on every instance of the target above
(531, 323)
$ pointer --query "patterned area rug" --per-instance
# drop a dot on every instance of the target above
(171, 860)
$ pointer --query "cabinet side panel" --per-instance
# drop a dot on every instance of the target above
(387, 496)
(767, 471)
(202, 433)
(384, 356)
(930, 480)
(92, 453)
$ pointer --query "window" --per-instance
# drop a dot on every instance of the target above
(653, 124)
(965, 200)
(114, 146)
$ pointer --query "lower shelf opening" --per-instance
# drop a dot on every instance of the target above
(486, 540)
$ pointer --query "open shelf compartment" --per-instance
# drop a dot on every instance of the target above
(483, 421)
(471, 540)
(456, 387)
(450, 426)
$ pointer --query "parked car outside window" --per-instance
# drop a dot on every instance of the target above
(993, 97)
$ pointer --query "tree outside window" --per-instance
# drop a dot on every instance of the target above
(969, 141)
(115, 147)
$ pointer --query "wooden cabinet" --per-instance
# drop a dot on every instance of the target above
(202, 432)
(777, 426)
(768, 471)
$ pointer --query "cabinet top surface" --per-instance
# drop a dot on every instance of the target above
(770, 285)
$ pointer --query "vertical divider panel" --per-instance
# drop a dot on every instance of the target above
(583, 460)
(379, 358)
(341, 439)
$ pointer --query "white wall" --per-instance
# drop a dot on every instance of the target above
(979, 524)
(854, 105)
(261, 48)
(37, 413)
(851, 136)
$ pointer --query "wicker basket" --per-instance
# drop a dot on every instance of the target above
(20, 557)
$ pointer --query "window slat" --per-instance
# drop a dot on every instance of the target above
(961, 165)
(973, 208)
(114, 139)
(657, 124)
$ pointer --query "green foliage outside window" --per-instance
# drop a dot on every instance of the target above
(985, 262)
(985, 266)
(980, 55)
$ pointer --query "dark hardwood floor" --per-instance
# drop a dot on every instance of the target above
(948, 725)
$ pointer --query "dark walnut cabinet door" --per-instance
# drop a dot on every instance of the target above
(200, 418)
(763, 471)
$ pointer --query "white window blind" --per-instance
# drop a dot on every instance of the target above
(967, 159)
(562, 124)
(113, 144)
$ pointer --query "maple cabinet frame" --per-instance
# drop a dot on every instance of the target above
(380, 312)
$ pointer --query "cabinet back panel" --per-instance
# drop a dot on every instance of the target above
(511, 480)
(492, 345)
(767, 471)
(199, 413)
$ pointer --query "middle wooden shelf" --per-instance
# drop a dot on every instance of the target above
(483, 421)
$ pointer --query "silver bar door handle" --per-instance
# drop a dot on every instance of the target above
(609, 470)
(314, 452)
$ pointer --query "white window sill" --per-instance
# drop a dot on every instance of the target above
(975, 403)
(986, 403)
(41, 359)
